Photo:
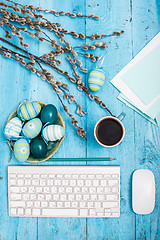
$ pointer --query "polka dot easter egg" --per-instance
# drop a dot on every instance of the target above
(21, 150)
(29, 110)
(32, 128)
(96, 79)
(13, 128)
(53, 132)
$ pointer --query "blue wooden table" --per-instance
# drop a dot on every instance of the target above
(140, 21)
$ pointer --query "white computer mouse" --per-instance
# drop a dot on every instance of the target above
(143, 191)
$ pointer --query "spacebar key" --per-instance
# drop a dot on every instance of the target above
(66, 212)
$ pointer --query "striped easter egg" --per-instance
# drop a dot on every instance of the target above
(29, 110)
(32, 128)
(53, 132)
(21, 150)
(96, 79)
(13, 128)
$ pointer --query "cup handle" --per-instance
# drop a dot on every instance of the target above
(121, 116)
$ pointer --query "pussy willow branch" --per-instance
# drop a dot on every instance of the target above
(81, 85)
(91, 16)
(25, 15)
(80, 130)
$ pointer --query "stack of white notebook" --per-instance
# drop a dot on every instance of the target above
(139, 82)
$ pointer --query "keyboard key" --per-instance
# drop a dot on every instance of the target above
(107, 214)
(53, 189)
(35, 182)
(37, 204)
(115, 189)
(28, 175)
(86, 197)
(112, 182)
(26, 197)
(13, 211)
(14, 189)
(82, 204)
(23, 189)
(50, 182)
(111, 197)
(83, 212)
(92, 212)
(42, 182)
(68, 189)
(59, 204)
(74, 204)
(90, 204)
(97, 205)
(38, 189)
(103, 182)
(33, 196)
(95, 182)
(99, 189)
(60, 212)
(107, 189)
(52, 205)
(110, 204)
(40, 197)
(20, 211)
(46, 189)
(67, 204)
(28, 211)
(17, 203)
(36, 212)
(15, 196)
(29, 204)
(63, 197)
(27, 182)
(51, 175)
(35, 175)
(44, 204)
(12, 182)
(12, 175)
(48, 197)
(115, 176)
(20, 182)
(20, 176)
(31, 190)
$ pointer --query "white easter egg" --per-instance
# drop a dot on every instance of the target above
(13, 128)
(21, 150)
(32, 128)
(96, 79)
(53, 132)
(29, 110)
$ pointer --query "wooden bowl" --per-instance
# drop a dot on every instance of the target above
(52, 147)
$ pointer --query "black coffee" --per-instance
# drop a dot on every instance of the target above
(109, 132)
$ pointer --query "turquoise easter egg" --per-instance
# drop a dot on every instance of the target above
(96, 79)
(32, 128)
(29, 110)
(13, 128)
(53, 132)
(49, 114)
(21, 150)
(38, 148)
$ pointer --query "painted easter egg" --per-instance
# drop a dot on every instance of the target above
(21, 150)
(29, 110)
(96, 79)
(32, 128)
(49, 114)
(53, 132)
(13, 128)
(38, 148)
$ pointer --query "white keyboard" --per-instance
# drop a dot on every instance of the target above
(64, 191)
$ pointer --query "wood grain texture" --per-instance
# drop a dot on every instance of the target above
(141, 146)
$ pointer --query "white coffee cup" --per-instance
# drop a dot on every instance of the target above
(118, 120)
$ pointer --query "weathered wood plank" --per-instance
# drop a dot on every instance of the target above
(147, 141)
(114, 16)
